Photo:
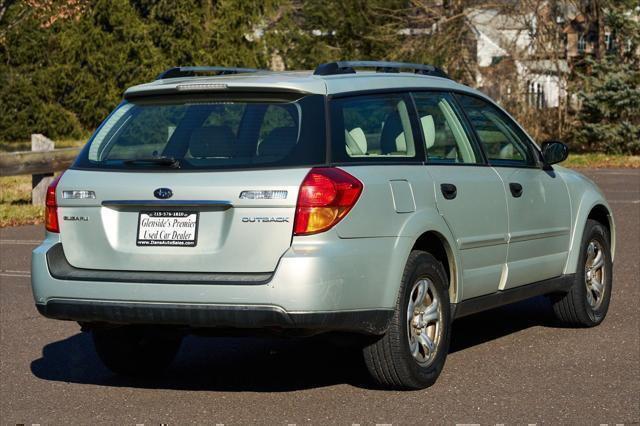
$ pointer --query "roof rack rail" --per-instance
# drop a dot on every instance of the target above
(348, 67)
(193, 71)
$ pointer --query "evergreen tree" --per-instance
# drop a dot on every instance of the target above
(64, 65)
(237, 32)
(61, 77)
(99, 56)
(178, 29)
(323, 31)
(608, 119)
(62, 72)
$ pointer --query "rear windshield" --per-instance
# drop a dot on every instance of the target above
(201, 132)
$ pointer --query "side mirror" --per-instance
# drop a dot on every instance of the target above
(554, 152)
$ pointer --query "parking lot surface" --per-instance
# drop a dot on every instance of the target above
(511, 364)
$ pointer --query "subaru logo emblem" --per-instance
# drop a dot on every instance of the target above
(163, 193)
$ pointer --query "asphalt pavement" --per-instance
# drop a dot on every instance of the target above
(509, 365)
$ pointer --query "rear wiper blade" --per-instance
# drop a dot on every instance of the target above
(162, 161)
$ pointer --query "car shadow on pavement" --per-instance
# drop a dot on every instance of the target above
(215, 363)
(269, 365)
(493, 324)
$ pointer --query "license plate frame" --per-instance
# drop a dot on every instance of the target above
(162, 215)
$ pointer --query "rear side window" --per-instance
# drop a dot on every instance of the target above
(203, 132)
(372, 128)
(446, 141)
(503, 141)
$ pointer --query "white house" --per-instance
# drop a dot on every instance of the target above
(499, 36)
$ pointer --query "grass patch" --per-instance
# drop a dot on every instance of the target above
(602, 161)
(15, 202)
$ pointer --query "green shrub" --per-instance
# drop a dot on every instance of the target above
(24, 111)
(609, 116)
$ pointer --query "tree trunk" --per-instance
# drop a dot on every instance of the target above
(4, 5)
(599, 15)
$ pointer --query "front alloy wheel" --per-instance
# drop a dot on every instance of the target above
(587, 303)
(595, 274)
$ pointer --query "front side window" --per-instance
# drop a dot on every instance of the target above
(504, 143)
(374, 127)
(204, 132)
(446, 141)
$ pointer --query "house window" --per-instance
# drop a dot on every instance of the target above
(582, 43)
(536, 95)
(608, 41)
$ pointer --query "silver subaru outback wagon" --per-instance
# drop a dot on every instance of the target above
(383, 203)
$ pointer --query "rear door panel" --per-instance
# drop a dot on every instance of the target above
(474, 206)
(250, 235)
(478, 220)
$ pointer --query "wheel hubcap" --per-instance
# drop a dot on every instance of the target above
(424, 314)
(595, 274)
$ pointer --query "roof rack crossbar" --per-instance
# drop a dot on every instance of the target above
(192, 71)
(348, 67)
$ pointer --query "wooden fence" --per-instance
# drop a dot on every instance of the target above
(41, 163)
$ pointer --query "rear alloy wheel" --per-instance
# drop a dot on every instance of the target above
(412, 353)
(136, 350)
(587, 303)
(423, 321)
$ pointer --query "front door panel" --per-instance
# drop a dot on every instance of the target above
(539, 224)
(538, 200)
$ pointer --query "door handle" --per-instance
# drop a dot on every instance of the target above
(516, 189)
(449, 190)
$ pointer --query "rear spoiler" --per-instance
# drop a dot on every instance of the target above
(177, 72)
(206, 87)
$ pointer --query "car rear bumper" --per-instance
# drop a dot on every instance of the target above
(202, 315)
(322, 284)
(61, 269)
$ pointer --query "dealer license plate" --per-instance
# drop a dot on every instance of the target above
(164, 228)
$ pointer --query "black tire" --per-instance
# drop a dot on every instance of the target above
(573, 308)
(389, 359)
(136, 350)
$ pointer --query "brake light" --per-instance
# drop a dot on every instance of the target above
(326, 196)
(51, 210)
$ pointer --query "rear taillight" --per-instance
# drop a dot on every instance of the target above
(51, 211)
(326, 196)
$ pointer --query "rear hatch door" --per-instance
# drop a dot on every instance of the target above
(196, 182)
(204, 227)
